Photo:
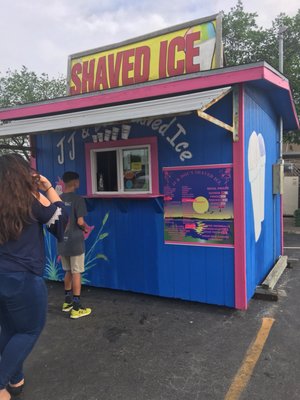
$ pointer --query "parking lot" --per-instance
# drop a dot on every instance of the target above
(138, 347)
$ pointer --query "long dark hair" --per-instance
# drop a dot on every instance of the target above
(17, 186)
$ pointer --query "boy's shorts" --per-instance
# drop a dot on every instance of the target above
(75, 264)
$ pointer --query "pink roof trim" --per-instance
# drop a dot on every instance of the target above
(224, 77)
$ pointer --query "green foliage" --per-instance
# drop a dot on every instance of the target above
(291, 49)
(52, 272)
(245, 42)
(91, 255)
(20, 87)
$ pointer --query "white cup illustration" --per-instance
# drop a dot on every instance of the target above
(125, 131)
(257, 172)
(95, 138)
(107, 135)
(100, 136)
(114, 133)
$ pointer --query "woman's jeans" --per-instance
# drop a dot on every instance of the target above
(23, 309)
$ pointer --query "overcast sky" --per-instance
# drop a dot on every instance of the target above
(40, 34)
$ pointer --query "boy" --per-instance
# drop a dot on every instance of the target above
(72, 248)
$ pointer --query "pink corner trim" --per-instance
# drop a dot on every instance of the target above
(32, 162)
(88, 169)
(281, 226)
(275, 79)
(32, 159)
(239, 212)
(284, 84)
(124, 196)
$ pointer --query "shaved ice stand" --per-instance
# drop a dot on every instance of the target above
(179, 164)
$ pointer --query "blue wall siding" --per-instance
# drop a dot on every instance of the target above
(261, 255)
(130, 253)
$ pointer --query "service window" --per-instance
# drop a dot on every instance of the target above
(122, 167)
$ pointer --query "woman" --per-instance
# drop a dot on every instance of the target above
(23, 293)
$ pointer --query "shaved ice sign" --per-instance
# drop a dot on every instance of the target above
(183, 49)
(198, 205)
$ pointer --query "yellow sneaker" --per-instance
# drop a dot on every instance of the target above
(66, 307)
(82, 312)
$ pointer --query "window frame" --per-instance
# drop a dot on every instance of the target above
(91, 150)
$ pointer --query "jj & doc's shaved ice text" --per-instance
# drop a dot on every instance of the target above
(173, 132)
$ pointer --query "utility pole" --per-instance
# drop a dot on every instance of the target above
(281, 31)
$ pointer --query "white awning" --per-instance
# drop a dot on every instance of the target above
(108, 114)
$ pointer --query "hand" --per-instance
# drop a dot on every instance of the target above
(43, 183)
(83, 228)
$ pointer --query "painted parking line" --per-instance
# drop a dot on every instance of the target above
(245, 371)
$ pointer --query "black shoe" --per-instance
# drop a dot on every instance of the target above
(14, 390)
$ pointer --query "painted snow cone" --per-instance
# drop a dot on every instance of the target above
(254, 168)
(206, 45)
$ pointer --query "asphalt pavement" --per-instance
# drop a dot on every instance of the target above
(138, 347)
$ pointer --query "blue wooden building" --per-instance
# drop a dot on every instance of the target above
(181, 177)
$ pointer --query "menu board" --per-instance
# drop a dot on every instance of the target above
(198, 205)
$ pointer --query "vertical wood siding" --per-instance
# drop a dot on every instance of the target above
(137, 258)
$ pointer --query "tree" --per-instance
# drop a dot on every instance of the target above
(26, 87)
(245, 42)
(20, 87)
(291, 64)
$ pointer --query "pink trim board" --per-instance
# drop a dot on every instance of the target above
(223, 77)
(281, 225)
(32, 162)
(239, 212)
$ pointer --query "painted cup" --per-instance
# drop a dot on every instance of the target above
(125, 131)
(115, 133)
(100, 136)
(107, 135)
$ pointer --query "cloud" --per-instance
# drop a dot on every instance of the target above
(41, 34)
